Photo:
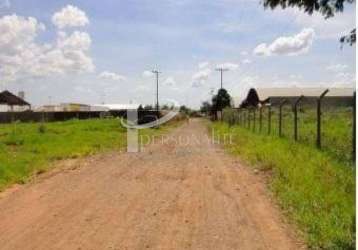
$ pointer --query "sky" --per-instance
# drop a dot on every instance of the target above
(94, 52)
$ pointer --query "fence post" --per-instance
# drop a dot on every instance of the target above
(269, 119)
(249, 114)
(238, 116)
(246, 119)
(243, 118)
(295, 116)
(318, 142)
(354, 128)
(254, 125)
(260, 119)
(280, 118)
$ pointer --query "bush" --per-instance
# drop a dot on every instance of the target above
(42, 128)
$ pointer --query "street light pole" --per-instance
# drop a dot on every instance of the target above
(156, 72)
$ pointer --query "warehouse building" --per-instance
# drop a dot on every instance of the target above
(274, 96)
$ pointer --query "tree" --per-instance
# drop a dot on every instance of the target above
(326, 7)
(221, 100)
(184, 109)
(205, 107)
(165, 107)
(350, 38)
(148, 107)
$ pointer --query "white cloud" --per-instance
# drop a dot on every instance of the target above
(17, 32)
(147, 74)
(261, 50)
(5, 4)
(289, 45)
(203, 65)
(246, 61)
(346, 78)
(106, 75)
(141, 88)
(344, 75)
(70, 16)
(228, 66)
(337, 67)
(76, 41)
(200, 77)
(244, 53)
(22, 56)
(249, 80)
(169, 82)
(17, 45)
(295, 76)
(69, 55)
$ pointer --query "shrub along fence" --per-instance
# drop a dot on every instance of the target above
(332, 129)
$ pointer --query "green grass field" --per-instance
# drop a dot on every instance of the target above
(29, 148)
(336, 129)
(316, 188)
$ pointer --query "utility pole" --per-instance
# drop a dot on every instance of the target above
(221, 74)
(156, 72)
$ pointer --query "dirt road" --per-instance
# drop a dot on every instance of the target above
(186, 194)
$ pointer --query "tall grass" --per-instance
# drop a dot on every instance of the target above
(315, 189)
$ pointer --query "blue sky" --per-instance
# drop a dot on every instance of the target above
(122, 39)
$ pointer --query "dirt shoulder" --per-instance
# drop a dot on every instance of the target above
(184, 194)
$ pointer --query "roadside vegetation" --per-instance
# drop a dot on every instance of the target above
(316, 188)
(30, 148)
(336, 128)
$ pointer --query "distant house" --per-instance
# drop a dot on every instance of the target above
(12, 103)
(274, 96)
